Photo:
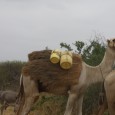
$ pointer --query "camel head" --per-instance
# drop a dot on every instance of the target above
(111, 43)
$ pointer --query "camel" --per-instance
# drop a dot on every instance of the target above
(30, 87)
(7, 98)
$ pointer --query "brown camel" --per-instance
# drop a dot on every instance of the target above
(73, 82)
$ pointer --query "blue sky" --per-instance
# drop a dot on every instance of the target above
(29, 25)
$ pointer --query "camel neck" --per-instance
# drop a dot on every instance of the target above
(98, 73)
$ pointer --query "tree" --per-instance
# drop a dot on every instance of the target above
(66, 46)
(92, 53)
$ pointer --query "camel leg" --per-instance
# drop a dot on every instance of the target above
(71, 100)
(70, 103)
(75, 100)
(20, 105)
(31, 94)
(77, 110)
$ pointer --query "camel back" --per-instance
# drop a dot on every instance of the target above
(36, 55)
(51, 75)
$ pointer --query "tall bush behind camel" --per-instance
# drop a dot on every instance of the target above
(88, 75)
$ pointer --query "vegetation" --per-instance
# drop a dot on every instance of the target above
(92, 53)
(9, 74)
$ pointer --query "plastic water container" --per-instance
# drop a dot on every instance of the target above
(66, 60)
(55, 56)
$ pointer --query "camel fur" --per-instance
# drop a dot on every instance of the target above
(88, 75)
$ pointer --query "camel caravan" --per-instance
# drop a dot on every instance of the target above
(41, 75)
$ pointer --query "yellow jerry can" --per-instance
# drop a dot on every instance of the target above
(66, 60)
(55, 56)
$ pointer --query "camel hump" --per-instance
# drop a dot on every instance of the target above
(50, 75)
(35, 55)
(45, 54)
(40, 64)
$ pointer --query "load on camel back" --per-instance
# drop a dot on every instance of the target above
(59, 69)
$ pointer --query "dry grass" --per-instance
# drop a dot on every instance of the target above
(9, 111)
(47, 105)
(50, 105)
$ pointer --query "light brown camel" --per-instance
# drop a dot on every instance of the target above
(30, 86)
